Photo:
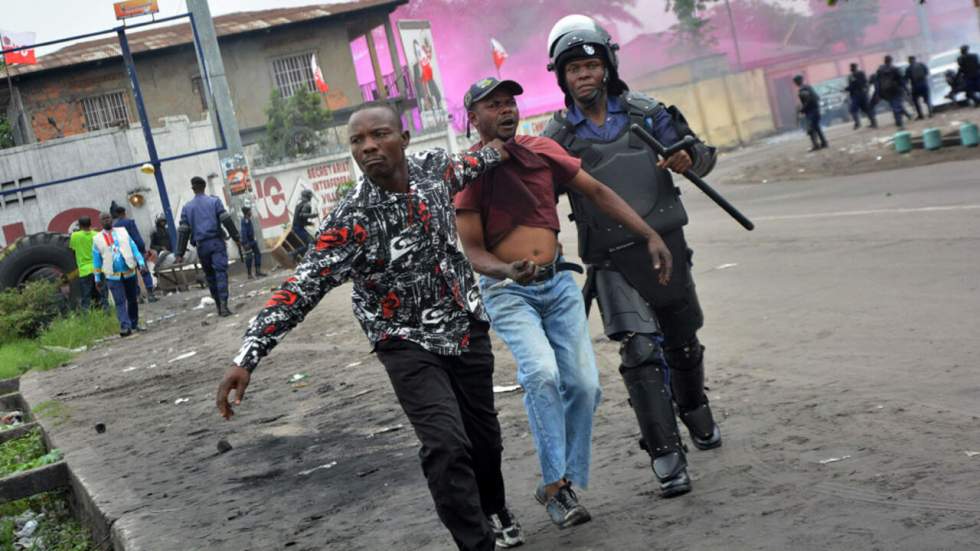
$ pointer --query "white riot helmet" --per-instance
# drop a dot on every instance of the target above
(579, 36)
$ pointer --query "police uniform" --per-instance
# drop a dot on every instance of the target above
(201, 222)
(661, 357)
(303, 216)
(857, 90)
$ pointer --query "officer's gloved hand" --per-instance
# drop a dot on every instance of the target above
(678, 162)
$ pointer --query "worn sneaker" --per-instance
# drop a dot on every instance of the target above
(563, 507)
(506, 530)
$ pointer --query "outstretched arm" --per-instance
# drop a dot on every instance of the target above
(328, 264)
(461, 169)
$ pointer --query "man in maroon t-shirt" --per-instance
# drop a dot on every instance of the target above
(508, 223)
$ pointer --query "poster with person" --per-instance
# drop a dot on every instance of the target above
(423, 69)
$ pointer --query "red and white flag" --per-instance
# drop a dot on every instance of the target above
(499, 53)
(321, 85)
(12, 40)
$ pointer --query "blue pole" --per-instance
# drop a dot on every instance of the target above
(151, 147)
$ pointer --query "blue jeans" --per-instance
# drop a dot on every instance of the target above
(213, 255)
(545, 327)
(126, 293)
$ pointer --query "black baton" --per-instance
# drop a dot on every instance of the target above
(694, 178)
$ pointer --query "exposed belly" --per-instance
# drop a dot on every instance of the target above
(537, 244)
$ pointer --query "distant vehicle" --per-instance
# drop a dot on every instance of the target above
(833, 99)
(938, 65)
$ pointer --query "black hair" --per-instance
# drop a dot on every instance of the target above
(84, 222)
(198, 183)
(378, 104)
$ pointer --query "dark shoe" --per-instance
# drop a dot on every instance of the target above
(152, 297)
(126, 333)
(506, 530)
(260, 274)
(250, 276)
(671, 472)
(223, 310)
(704, 432)
(563, 507)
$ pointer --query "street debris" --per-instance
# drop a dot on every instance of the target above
(183, 356)
(726, 266)
(352, 364)
(384, 430)
(12, 418)
(971, 454)
(298, 377)
(324, 467)
(501, 389)
(362, 474)
(362, 393)
(179, 401)
(224, 446)
(100, 428)
(833, 459)
(205, 301)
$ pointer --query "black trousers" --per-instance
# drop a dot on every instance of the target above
(449, 401)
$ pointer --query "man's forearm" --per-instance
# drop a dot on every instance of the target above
(486, 263)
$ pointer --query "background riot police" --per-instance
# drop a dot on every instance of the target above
(656, 325)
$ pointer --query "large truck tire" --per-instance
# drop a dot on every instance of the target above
(40, 256)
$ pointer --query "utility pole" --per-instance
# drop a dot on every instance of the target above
(219, 104)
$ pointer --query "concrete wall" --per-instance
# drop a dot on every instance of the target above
(277, 188)
(725, 111)
(166, 79)
(56, 207)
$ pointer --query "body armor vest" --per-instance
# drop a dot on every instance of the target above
(629, 168)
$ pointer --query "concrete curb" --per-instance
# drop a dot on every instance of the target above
(52, 477)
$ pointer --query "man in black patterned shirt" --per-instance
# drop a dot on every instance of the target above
(417, 300)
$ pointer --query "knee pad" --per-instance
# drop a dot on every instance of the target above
(687, 357)
(641, 349)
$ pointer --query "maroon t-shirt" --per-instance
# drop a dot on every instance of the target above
(540, 180)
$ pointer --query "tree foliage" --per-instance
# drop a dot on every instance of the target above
(693, 29)
(6, 134)
(293, 125)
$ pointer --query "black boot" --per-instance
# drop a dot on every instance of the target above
(223, 309)
(687, 385)
(650, 399)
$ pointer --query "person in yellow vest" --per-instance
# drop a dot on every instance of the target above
(81, 244)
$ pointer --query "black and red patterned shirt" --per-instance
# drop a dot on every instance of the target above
(411, 281)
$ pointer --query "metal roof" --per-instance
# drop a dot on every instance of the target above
(176, 35)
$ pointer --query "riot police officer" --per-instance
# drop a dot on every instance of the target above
(857, 91)
(302, 217)
(655, 325)
(201, 223)
(810, 108)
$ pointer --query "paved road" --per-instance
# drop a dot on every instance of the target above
(843, 327)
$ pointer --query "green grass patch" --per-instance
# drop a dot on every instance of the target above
(19, 357)
(79, 329)
(72, 331)
(57, 529)
(24, 453)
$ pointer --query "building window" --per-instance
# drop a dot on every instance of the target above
(8, 199)
(292, 73)
(106, 111)
(198, 85)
